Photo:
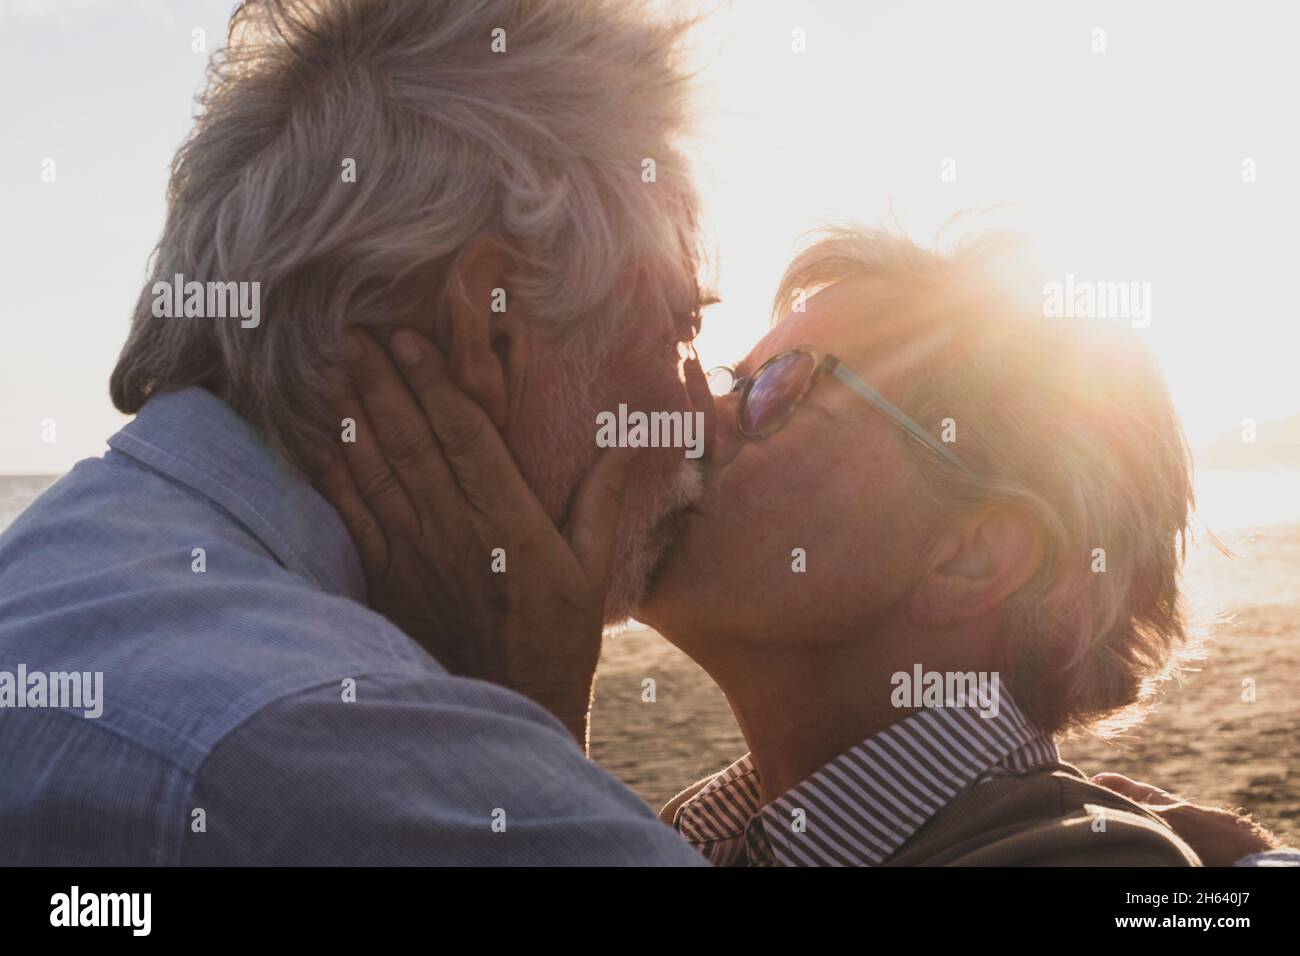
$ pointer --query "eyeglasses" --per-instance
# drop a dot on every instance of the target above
(770, 396)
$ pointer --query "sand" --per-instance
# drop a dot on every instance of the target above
(1202, 741)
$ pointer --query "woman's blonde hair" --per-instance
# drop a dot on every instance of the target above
(1071, 421)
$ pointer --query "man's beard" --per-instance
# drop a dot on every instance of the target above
(649, 521)
(645, 534)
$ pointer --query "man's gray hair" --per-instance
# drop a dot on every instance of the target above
(528, 120)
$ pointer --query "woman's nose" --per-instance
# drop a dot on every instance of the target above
(701, 398)
(722, 437)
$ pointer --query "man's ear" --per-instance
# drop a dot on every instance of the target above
(476, 355)
(976, 565)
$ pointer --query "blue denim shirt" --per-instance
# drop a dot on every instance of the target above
(228, 731)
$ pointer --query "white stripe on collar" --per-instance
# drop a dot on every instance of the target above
(860, 808)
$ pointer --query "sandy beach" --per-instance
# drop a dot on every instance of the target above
(1203, 740)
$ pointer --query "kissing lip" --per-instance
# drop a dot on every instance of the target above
(705, 504)
(697, 508)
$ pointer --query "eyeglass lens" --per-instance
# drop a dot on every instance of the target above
(776, 387)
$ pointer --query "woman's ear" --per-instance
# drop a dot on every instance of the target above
(977, 565)
(477, 310)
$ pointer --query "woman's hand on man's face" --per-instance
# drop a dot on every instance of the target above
(457, 550)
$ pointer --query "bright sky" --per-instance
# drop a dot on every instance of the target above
(1127, 165)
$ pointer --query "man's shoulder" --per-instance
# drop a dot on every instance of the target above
(417, 772)
(251, 715)
(193, 625)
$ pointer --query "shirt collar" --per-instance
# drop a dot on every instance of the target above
(860, 808)
(194, 438)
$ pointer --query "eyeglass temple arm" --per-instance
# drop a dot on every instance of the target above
(897, 414)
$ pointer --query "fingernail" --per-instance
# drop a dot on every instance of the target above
(406, 347)
(351, 347)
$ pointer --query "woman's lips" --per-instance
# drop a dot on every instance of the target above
(695, 509)
(704, 504)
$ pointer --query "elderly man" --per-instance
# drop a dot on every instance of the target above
(470, 169)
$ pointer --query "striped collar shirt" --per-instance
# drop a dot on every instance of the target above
(860, 808)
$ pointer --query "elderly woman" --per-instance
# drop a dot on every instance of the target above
(915, 478)
(938, 531)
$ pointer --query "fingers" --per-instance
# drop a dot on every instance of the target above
(395, 454)
(1135, 790)
(470, 442)
(373, 477)
(336, 485)
(593, 519)
(474, 369)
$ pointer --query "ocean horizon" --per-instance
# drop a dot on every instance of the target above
(1227, 500)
